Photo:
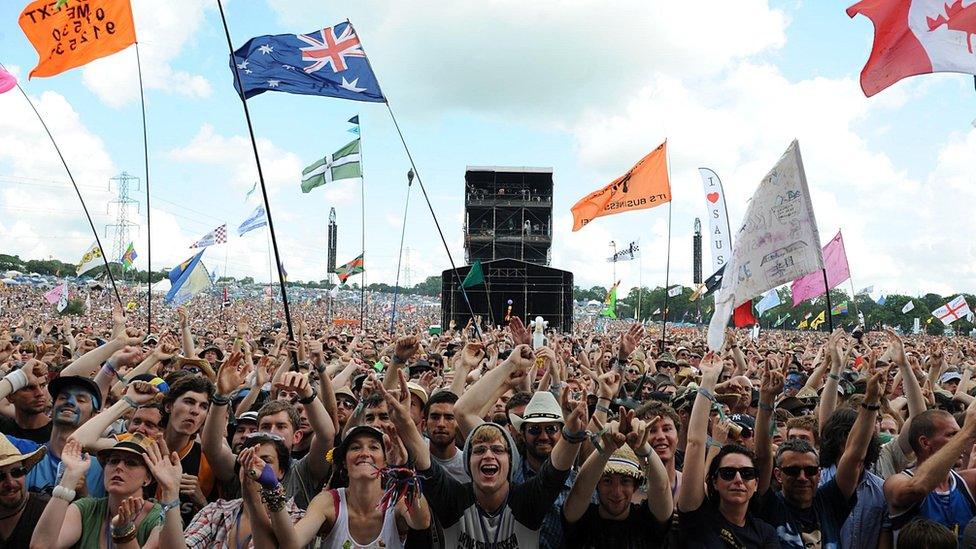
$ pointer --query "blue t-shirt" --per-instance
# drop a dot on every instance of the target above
(816, 526)
(44, 475)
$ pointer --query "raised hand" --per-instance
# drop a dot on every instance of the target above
(896, 347)
(232, 373)
(129, 509)
(167, 348)
(142, 392)
(399, 405)
(577, 419)
(608, 384)
(522, 357)
(641, 444)
(711, 365)
(520, 335)
(610, 436)
(406, 347)
(629, 341)
(772, 384)
(472, 355)
(166, 469)
(297, 382)
(396, 453)
(181, 311)
(76, 463)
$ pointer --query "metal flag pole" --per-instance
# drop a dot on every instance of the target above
(57, 149)
(667, 264)
(145, 150)
(830, 320)
(362, 203)
(264, 190)
(423, 190)
(403, 232)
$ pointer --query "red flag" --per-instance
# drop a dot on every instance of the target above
(743, 316)
(916, 37)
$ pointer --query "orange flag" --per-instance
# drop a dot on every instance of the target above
(644, 186)
(76, 33)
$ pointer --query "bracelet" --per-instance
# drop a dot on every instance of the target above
(870, 407)
(124, 539)
(309, 399)
(123, 531)
(274, 499)
(17, 379)
(109, 369)
(713, 443)
(60, 492)
(706, 393)
(643, 455)
(833, 376)
(170, 505)
(608, 399)
(767, 407)
(219, 400)
(128, 400)
(575, 438)
(604, 409)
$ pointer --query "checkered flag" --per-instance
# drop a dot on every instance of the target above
(216, 236)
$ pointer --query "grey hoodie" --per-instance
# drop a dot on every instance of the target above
(514, 459)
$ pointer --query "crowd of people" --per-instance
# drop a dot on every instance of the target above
(219, 426)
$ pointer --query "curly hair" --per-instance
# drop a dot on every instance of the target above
(807, 422)
(653, 408)
(833, 439)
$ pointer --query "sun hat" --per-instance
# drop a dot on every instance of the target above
(135, 443)
(624, 462)
(217, 351)
(10, 454)
(418, 391)
(542, 408)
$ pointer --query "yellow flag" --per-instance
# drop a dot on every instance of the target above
(821, 318)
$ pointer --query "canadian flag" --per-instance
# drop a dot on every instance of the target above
(914, 37)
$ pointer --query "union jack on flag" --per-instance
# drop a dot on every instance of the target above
(329, 62)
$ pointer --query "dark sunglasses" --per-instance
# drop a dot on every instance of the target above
(728, 473)
(794, 470)
(17, 472)
(536, 430)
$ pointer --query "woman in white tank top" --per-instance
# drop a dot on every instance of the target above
(349, 518)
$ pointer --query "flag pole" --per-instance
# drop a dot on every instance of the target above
(403, 232)
(264, 190)
(57, 149)
(423, 189)
(667, 264)
(362, 204)
(830, 319)
(145, 150)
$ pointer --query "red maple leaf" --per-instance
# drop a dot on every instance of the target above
(957, 18)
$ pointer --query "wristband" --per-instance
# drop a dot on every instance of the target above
(168, 506)
(574, 438)
(60, 492)
(604, 409)
(643, 455)
(870, 407)
(109, 369)
(713, 443)
(219, 400)
(267, 479)
(274, 498)
(309, 399)
(128, 400)
(767, 407)
(706, 393)
(17, 379)
(599, 398)
(833, 376)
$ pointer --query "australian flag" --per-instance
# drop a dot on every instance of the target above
(329, 62)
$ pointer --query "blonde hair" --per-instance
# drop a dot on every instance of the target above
(486, 434)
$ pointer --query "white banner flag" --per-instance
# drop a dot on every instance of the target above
(778, 241)
(908, 307)
(718, 218)
(91, 259)
(675, 291)
(952, 311)
(63, 298)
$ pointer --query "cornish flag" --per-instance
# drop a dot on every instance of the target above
(953, 311)
(914, 37)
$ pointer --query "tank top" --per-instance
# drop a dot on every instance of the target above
(952, 509)
(340, 538)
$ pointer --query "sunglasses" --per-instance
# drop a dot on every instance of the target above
(794, 471)
(728, 473)
(536, 430)
(17, 472)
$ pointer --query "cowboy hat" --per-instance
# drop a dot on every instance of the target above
(543, 408)
(9, 454)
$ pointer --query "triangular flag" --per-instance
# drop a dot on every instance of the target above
(474, 277)
(7, 81)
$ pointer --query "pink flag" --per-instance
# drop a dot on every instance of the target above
(7, 83)
(54, 295)
(835, 261)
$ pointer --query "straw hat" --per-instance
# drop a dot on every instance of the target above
(9, 454)
(135, 443)
(624, 461)
(198, 363)
(543, 408)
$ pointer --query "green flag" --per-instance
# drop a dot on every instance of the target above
(475, 276)
(343, 164)
(610, 309)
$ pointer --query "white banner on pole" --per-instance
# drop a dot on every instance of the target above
(720, 241)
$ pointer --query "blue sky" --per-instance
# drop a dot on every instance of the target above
(584, 87)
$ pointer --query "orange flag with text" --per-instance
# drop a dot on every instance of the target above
(646, 185)
(70, 34)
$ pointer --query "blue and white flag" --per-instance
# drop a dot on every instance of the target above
(256, 220)
(866, 291)
(882, 300)
(329, 62)
(770, 300)
(188, 279)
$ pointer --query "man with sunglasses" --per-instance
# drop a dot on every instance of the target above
(804, 513)
(19, 509)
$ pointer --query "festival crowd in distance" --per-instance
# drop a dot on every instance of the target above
(216, 427)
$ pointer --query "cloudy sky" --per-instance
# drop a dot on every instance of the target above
(583, 86)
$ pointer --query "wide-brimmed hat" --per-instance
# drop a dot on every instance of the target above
(201, 364)
(135, 443)
(10, 454)
(418, 391)
(215, 349)
(63, 382)
(796, 406)
(624, 462)
(543, 408)
(667, 358)
(346, 391)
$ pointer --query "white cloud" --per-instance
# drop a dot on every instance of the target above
(163, 30)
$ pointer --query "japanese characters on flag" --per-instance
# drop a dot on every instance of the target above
(675, 291)
(777, 243)
(720, 241)
(953, 311)
(908, 307)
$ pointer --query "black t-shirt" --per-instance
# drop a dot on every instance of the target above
(41, 435)
(640, 530)
(706, 527)
(816, 526)
(22, 533)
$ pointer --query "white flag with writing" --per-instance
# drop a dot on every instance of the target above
(908, 307)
